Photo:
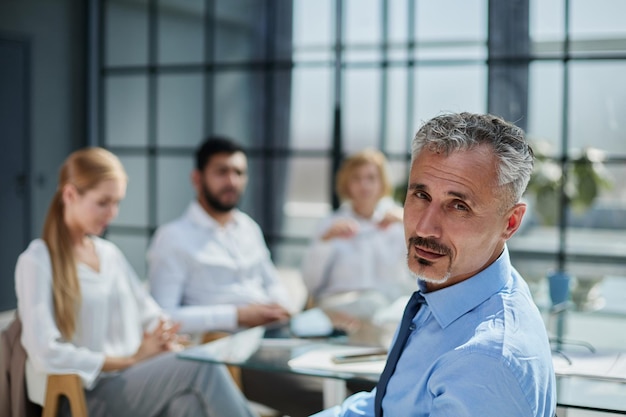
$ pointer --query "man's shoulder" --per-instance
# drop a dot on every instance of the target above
(174, 231)
(245, 220)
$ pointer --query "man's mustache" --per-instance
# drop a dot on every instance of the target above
(430, 244)
(229, 190)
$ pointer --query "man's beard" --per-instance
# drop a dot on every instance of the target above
(214, 201)
(435, 247)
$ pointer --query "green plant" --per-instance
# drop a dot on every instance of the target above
(586, 177)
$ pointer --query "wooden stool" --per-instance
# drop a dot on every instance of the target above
(70, 386)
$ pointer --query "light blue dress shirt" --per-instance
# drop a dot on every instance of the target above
(478, 348)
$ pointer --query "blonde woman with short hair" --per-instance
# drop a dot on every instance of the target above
(358, 255)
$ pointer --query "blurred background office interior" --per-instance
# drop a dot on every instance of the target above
(304, 82)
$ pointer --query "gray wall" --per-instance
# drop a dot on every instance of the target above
(55, 31)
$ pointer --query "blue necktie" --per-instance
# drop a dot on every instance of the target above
(412, 307)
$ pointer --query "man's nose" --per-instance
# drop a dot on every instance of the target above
(428, 222)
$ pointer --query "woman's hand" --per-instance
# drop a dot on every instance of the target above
(342, 228)
(392, 216)
(162, 339)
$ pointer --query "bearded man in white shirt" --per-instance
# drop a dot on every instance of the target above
(211, 270)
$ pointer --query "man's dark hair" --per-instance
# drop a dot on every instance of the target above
(214, 145)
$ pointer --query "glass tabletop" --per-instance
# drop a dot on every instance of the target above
(276, 349)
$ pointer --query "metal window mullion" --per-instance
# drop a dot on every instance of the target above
(209, 69)
(410, 77)
(563, 201)
(384, 77)
(152, 98)
(337, 142)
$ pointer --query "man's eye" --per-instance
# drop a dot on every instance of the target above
(422, 195)
(460, 207)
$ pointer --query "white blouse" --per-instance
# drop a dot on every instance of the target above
(114, 312)
(372, 260)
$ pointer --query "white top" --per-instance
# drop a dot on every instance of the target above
(114, 312)
(374, 259)
(200, 271)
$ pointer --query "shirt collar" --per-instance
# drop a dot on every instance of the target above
(450, 303)
(200, 217)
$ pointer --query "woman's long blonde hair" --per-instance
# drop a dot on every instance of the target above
(85, 169)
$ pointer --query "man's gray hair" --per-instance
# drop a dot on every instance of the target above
(453, 132)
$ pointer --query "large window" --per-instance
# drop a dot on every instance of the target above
(304, 82)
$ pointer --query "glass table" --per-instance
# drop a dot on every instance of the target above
(275, 349)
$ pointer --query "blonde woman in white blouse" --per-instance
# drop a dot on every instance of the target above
(358, 257)
(84, 311)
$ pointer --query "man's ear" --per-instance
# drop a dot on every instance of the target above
(514, 219)
(196, 179)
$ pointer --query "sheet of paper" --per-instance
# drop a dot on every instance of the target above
(609, 366)
(321, 359)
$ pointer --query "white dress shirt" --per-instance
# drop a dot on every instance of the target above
(201, 271)
(114, 312)
(372, 260)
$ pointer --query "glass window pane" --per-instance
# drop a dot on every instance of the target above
(239, 106)
(597, 19)
(313, 30)
(363, 22)
(180, 120)
(313, 23)
(605, 332)
(311, 108)
(362, 30)
(134, 208)
(126, 111)
(597, 26)
(545, 106)
(240, 30)
(598, 106)
(134, 248)
(449, 89)
(126, 32)
(547, 22)
(255, 191)
(289, 255)
(361, 110)
(308, 190)
(607, 211)
(461, 50)
(398, 21)
(181, 31)
(451, 20)
(174, 189)
(313, 54)
(533, 270)
(450, 29)
(397, 30)
(399, 174)
(396, 135)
